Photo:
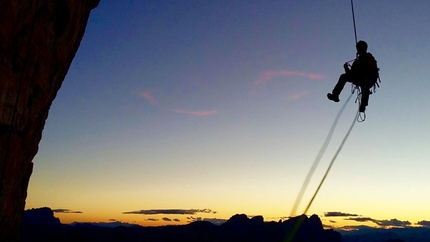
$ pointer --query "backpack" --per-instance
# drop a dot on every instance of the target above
(373, 73)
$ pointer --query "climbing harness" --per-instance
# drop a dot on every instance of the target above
(372, 89)
(361, 117)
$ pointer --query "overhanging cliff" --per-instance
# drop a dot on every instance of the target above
(38, 40)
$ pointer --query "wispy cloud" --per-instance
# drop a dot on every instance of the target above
(152, 219)
(392, 223)
(299, 95)
(383, 223)
(62, 210)
(361, 219)
(339, 214)
(171, 211)
(171, 220)
(196, 113)
(151, 98)
(267, 76)
(147, 95)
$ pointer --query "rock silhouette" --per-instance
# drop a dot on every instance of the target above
(40, 217)
(38, 40)
(238, 228)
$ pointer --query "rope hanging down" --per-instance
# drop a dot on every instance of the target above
(324, 147)
(357, 118)
(318, 158)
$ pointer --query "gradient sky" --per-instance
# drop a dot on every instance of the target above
(178, 110)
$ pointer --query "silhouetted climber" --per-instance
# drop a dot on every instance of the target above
(363, 73)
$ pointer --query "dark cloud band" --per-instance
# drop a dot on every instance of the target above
(383, 223)
(62, 210)
(339, 214)
(171, 211)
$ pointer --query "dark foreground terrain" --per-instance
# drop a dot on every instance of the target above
(41, 225)
(368, 234)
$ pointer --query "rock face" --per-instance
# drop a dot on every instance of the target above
(38, 40)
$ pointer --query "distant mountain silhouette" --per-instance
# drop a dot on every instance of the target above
(102, 225)
(238, 228)
(368, 234)
(41, 225)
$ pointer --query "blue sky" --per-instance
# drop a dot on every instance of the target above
(222, 105)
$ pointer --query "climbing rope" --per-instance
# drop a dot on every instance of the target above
(331, 163)
(318, 158)
(359, 117)
(353, 20)
(297, 225)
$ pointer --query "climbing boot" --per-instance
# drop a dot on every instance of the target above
(333, 97)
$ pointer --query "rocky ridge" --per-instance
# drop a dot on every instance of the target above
(238, 228)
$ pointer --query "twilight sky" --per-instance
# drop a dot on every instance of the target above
(174, 111)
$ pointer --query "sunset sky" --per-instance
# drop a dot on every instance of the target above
(174, 111)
